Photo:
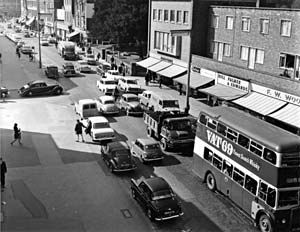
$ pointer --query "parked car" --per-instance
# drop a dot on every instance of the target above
(68, 70)
(44, 42)
(157, 198)
(103, 67)
(86, 108)
(117, 156)
(40, 87)
(130, 103)
(129, 85)
(25, 49)
(107, 105)
(100, 129)
(82, 66)
(27, 34)
(51, 39)
(145, 97)
(51, 72)
(90, 58)
(146, 149)
(20, 44)
(3, 92)
(106, 85)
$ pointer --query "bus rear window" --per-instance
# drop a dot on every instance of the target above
(290, 159)
(256, 148)
(269, 156)
(203, 119)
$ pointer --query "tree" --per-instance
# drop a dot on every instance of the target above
(121, 21)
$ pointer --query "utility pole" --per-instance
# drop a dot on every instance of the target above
(39, 33)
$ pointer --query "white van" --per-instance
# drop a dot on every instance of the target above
(86, 108)
(163, 102)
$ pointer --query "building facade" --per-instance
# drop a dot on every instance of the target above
(9, 8)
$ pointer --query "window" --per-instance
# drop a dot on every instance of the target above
(227, 49)
(271, 197)
(232, 135)
(227, 168)
(243, 141)
(244, 53)
(179, 16)
(262, 194)
(159, 15)
(214, 23)
(164, 42)
(264, 26)
(217, 162)
(245, 24)
(286, 61)
(172, 16)
(229, 22)
(208, 154)
(256, 148)
(212, 47)
(269, 156)
(203, 119)
(285, 28)
(221, 129)
(260, 54)
(238, 176)
(166, 15)
(212, 124)
(185, 17)
(154, 14)
(157, 40)
(250, 184)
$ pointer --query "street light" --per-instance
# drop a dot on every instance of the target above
(39, 33)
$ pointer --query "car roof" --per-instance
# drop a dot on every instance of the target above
(147, 141)
(157, 184)
(164, 96)
(129, 95)
(96, 119)
(118, 145)
(37, 82)
(148, 91)
(128, 78)
(86, 101)
(82, 61)
(105, 98)
(68, 64)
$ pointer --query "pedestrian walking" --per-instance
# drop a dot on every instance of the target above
(78, 130)
(3, 172)
(17, 134)
(159, 81)
(116, 93)
(98, 56)
(30, 56)
(18, 53)
(147, 78)
(88, 129)
(180, 88)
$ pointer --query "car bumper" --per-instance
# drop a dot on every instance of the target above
(110, 112)
(163, 218)
(103, 139)
(136, 112)
(149, 159)
(124, 169)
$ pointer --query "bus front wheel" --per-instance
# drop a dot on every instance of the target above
(211, 182)
(265, 224)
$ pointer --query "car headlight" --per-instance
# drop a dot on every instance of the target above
(283, 221)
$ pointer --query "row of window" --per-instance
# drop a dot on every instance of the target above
(163, 41)
(172, 16)
(264, 25)
(247, 143)
(265, 192)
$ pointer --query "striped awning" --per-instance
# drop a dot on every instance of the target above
(289, 114)
(159, 66)
(172, 71)
(223, 92)
(196, 80)
(147, 62)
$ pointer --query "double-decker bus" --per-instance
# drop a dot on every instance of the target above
(252, 162)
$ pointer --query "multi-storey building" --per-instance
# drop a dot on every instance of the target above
(9, 8)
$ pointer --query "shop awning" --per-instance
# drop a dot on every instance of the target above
(289, 114)
(260, 103)
(74, 33)
(196, 80)
(147, 62)
(30, 21)
(224, 92)
(172, 71)
(159, 66)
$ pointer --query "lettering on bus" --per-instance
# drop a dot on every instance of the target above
(293, 180)
(228, 148)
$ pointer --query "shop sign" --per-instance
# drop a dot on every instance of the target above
(290, 98)
(208, 73)
(233, 82)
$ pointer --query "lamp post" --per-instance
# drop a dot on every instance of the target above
(39, 33)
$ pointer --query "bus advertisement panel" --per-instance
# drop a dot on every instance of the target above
(252, 162)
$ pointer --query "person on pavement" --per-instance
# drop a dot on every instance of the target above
(78, 130)
(88, 129)
(3, 172)
(17, 134)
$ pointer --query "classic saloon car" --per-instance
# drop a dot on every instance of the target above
(106, 85)
(107, 105)
(82, 66)
(117, 157)
(86, 108)
(40, 88)
(130, 103)
(157, 198)
(145, 97)
(100, 129)
(3, 92)
(129, 85)
(69, 70)
(146, 149)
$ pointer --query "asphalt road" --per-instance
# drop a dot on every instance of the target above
(56, 183)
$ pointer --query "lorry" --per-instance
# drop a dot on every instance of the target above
(173, 129)
(67, 50)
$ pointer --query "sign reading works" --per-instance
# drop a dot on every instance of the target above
(233, 82)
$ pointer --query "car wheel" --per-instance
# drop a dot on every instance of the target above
(58, 91)
(265, 224)
(163, 144)
(111, 168)
(133, 193)
(211, 182)
(149, 214)
(29, 94)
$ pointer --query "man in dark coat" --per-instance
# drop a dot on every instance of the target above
(78, 130)
(17, 134)
(3, 172)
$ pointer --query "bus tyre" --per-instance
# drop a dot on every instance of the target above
(265, 224)
(211, 182)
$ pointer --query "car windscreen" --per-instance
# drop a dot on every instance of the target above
(109, 102)
(109, 82)
(132, 99)
(152, 146)
(100, 125)
(121, 153)
(162, 194)
(170, 103)
(134, 82)
(179, 125)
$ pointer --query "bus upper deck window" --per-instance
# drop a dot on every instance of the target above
(211, 124)
(269, 156)
(221, 129)
(243, 141)
(232, 135)
(256, 148)
(203, 119)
